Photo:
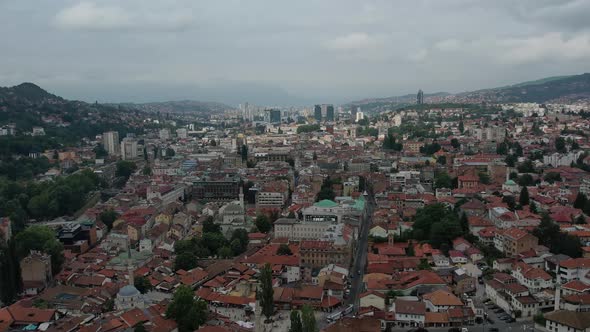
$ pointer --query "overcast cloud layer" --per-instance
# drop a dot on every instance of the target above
(287, 52)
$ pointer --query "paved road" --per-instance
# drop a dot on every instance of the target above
(360, 257)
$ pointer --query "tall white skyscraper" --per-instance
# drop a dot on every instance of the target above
(128, 148)
(110, 142)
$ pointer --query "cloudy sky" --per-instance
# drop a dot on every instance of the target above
(286, 52)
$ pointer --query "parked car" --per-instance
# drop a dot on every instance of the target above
(511, 320)
(493, 329)
(491, 321)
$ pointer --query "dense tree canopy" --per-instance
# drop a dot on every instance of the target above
(550, 235)
(266, 291)
(188, 313)
(437, 224)
(43, 239)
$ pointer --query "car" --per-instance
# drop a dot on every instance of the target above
(499, 310)
(511, 320)
(491, 321)
(493, 329)
(359, 272)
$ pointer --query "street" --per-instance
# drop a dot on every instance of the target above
(360, 258)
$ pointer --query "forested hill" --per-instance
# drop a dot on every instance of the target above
(66, 122)
(27, 93)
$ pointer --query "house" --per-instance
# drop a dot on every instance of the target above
(409, 313)
(441, 261)
(36, 272)
(460, 244)
(565, 321)
(574, 269)
(457, 257)
(24, 315)
(534, 279)
(473, 208)
(474, 254)
(372, 299)
(513, 241)
(441, 300)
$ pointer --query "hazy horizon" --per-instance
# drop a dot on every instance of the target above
(294, 53)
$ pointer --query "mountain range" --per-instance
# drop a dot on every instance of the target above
(557, 89)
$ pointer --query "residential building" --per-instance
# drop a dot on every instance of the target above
(110, 142)
(567, 321)
(129, 148)
(36, 272)
(513, 241)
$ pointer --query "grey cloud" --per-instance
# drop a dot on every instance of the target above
(289, 51)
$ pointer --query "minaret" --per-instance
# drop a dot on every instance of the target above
(242, 197)
(557, 295)
(130, 271)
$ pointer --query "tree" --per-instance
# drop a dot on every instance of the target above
(510, 160)
(392, 295)
(308, 319)
(443, 180)
(441, 160)
(525, 180)
(284, 250)
(510, 201)
(526, 167)
(108, 217)
(580, 220)
(560, 145)
(523, 199)
(139, 328)
(188, 313)
(125, 168)
(423, 265)
(209, 226)
(146, 170)
(549, 233)
(296, 325)
(455, 143)
(10, 278)
(575, 145)
(461, 127)
(185, 261)
(552, 177)
(170, 152)
(532, 207)
(41, 238)
(142, 284)
(464, 221)
(239, 241)
(265, 293)
(224, 252)
(502, 148)
(145, 154)
(484, 178)
(244, 152)
(580, 201)
(315, 156)
(326, 191)
(263, 224)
